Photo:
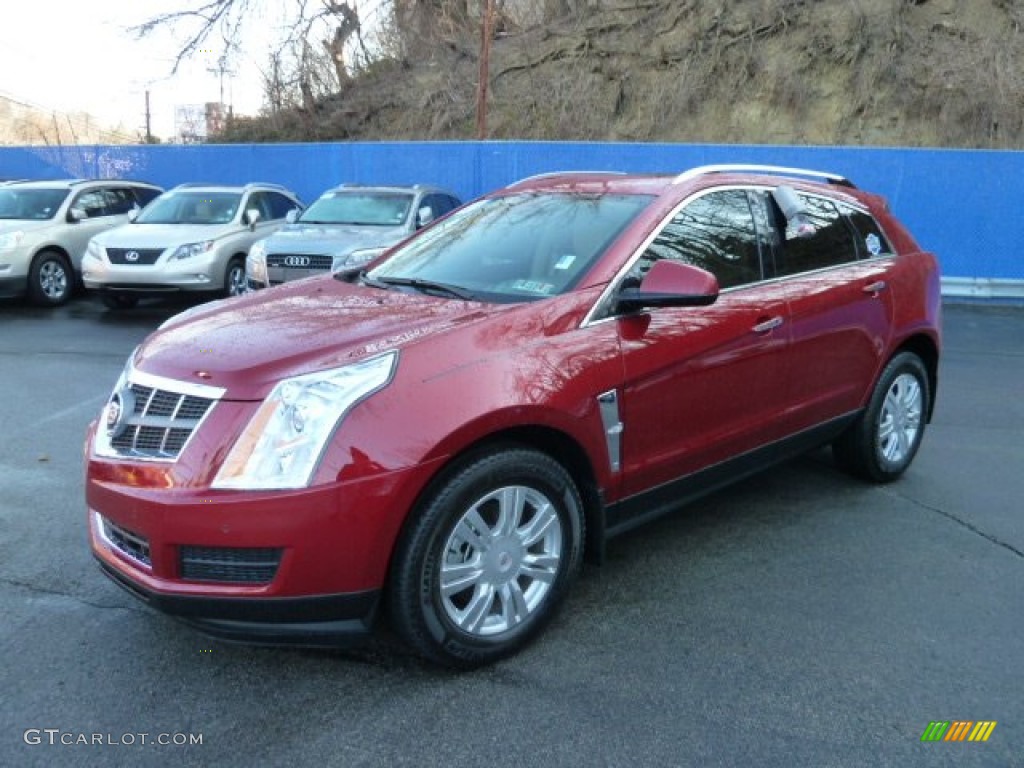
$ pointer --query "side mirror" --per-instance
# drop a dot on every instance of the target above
(292, 216)
(424, 216)
(76, 214)
(133, 214)
(670, 284)
(251, 217)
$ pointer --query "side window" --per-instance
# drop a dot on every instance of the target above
(258, 200)
(279, 204)
(870, 239)
(828, 243)
(715, 232)
(94, 203)
(120, 200)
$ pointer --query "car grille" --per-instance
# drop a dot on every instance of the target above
(254, 565)
(143, 256)
(161, 423)
(127, 543)
(300, 261)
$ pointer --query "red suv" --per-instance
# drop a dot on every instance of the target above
(442, 435)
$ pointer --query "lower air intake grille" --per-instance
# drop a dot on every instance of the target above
(236, 565)
(127, 543)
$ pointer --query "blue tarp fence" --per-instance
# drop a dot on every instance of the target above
(961, 204)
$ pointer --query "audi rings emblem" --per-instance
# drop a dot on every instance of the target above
(297, 261)
(119, 410)
(131, 256)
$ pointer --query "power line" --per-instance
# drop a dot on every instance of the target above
(84, 119)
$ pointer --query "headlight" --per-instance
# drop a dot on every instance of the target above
(189, 250)
(355, 258)
(11, 239)
(282, 444)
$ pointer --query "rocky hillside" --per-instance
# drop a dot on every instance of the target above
(878, 72)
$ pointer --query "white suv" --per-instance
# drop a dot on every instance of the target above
(194, 237)
(46, 225)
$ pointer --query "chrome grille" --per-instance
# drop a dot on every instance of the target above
(140, 256)
(161, 423)
(300, 260)
(163, 416)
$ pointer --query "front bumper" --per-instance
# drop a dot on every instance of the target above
(200, 273)
(321, 621)
(301, 567)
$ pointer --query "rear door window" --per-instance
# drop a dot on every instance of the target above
(827, 242)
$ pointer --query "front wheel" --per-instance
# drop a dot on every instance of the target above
(234, 277)
(51, 279)
(880, 445)
(487, 558)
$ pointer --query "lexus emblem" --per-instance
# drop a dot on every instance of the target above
(297, 261)
(119, 410)
(131, 256)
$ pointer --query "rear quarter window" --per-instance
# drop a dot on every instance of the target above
(871, 241)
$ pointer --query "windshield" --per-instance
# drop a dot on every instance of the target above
(514, 248)
(38, 204)
(375, 209)
(192, 207)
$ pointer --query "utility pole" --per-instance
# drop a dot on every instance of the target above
(485, 63)
(149, 133)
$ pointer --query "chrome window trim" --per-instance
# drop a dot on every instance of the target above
(590, 318)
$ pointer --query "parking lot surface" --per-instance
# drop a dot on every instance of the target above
(799, 618)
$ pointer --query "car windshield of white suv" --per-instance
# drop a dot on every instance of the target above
(374, 209)
(37, 204)
(520, 247)
(192, 207)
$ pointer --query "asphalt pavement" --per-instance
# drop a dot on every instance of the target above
(801, 618)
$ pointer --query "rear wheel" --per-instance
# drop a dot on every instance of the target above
(488, 558)
(50, 279)
(883, 441)
(234, 277)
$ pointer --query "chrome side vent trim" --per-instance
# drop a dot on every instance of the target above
(608, 403)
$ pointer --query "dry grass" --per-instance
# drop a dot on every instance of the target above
(894, 72)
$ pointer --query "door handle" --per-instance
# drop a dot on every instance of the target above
(767, 325)
(875, 288)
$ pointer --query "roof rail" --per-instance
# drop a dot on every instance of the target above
(564, 173)
(190, 184)
(831, 178)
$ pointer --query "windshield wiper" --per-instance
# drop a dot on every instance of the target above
(424, 285)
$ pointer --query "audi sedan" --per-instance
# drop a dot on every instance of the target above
(439, 438)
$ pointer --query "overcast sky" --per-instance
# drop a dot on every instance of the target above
(77, 55)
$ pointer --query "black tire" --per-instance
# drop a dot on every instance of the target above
(524, 569)
(119, 301)
(51, 280)
(234, 277)
(882, 443)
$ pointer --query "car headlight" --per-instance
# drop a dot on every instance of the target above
(256, 262)
(11, 239)
(355, 258)
(189, 250)
(283, 442)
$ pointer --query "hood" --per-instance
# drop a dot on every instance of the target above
(331, 239)
(162, 235)
(249, 343)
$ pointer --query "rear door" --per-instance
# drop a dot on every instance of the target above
(703, 384)
(836, 276)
